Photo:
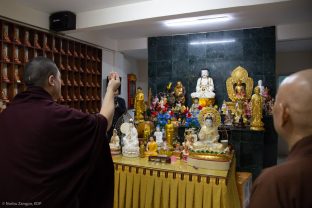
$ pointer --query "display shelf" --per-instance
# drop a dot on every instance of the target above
(79, 63)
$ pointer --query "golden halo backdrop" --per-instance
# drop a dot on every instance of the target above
(205, 112)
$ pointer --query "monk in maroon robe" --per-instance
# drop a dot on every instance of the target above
(290, 183)
(52, 155)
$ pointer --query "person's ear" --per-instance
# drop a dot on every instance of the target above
(284, 114)
(51, 80)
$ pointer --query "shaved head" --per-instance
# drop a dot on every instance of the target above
(43, 72)
(38, 70)
(292, 110)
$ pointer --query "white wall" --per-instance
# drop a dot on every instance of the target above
(290, 62)
(116, 61)
(18, 12)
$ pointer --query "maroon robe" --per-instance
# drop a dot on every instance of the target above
(288, 184)
(53, 155)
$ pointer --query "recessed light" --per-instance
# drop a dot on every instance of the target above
(197, 20)
(207, 42)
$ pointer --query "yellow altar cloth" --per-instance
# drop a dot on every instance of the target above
(143, 184)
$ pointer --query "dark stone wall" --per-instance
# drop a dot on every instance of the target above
(172, 59)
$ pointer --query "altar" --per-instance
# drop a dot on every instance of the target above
(140, 183)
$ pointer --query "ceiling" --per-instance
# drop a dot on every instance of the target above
(281, 13)
(75, 6)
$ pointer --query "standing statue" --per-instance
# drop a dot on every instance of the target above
(159, 136)
(256, 111)
(139, 105)
(204, 87)
(261, 87)
(179, 93)
(169, 129)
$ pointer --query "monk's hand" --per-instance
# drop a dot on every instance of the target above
(114, 81)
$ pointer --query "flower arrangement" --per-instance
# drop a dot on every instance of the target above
(160, 111)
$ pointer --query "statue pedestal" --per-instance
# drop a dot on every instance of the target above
(206, 102)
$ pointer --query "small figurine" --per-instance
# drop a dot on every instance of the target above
(195, 108)
(26, 39)
(151, 147)
(228, 120)
(223, 108)
(159, 137)
(179, 93)
(114, 143)
(256, 113)
(142, 149)
(261, 87)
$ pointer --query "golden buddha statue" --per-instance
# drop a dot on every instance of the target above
(142, 149)
(169, 129)
(151, 147)
(256, 111)
(239, 86)
(179, 93)
(147, 131)
(139, 105)
(240, 90)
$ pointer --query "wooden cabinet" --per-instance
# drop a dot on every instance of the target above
(80, 64)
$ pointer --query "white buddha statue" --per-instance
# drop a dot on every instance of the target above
(131, 141)
(208, 137)
(204, 87)
(159, 137)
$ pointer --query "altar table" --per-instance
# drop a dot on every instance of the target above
(143, 184)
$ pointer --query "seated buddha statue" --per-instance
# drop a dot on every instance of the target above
(151, 147)
(179, 93)
(204, 86)
(130, 141)
(114, 143)
(208, 133)
(240, 91)
(208, 137)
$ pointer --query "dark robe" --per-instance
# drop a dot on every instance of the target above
(289, 184)
(54, 155)
(120, 108)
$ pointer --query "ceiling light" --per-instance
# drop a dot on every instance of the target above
(207, 42)
(197, 20)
